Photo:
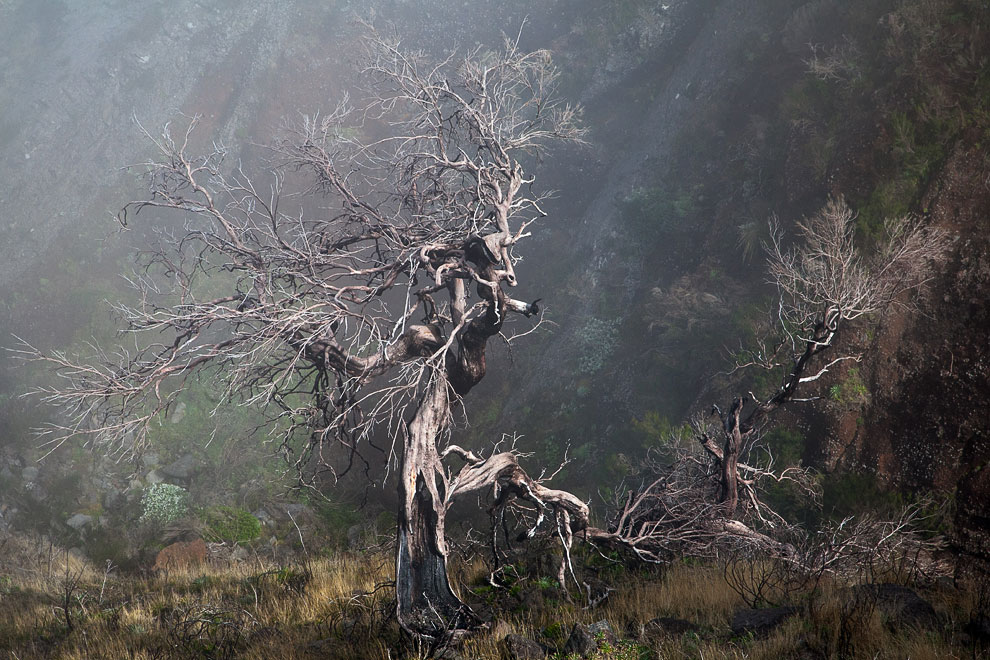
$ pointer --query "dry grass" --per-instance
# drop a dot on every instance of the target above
(337, 607)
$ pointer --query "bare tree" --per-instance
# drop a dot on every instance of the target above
(370, 315)
(706, 498)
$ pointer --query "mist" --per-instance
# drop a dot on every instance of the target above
(648, 316)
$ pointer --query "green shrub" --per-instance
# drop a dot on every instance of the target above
(851, 391)
(163, 503)
(227, 523)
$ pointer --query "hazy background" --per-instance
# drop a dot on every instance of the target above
(704, 122)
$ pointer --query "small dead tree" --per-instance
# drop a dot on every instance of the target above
(371, 314)
(702, 502)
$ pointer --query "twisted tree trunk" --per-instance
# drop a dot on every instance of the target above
(426, 605)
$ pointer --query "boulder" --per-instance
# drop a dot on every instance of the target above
(181, 468)
(181, 555)
(760, 623)
(584, 639)
(263, 517)
(522, 648)
(78, 521)
(580, 641)
(602, 628)
(29, 474)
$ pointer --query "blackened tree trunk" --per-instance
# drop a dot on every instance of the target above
(426, 604)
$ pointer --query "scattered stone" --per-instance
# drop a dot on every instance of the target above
(523, 648)
(78, 521)
(760, 622)
(181, 555)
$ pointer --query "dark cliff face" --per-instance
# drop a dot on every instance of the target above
(661, 273)
(928, 421)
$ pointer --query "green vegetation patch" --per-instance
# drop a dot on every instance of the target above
(231, 524)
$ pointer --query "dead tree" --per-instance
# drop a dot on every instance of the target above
(699, 502)
(824, 283)
(365, 317)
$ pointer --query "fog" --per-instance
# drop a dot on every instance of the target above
(81, 80)
(706, 119)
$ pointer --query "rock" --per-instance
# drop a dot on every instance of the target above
(78, 521)
(355, 536)
(154, 477)
(665, 626)
(239, 554)
(180, 410)
(182, 468)
(760, 622)
(296, 510)
(523, 648)
(902, 605)
(29, 474)
(584, 639)
(151, 460)
(263, 517)
(111, 496)
(602, 628)
(181, 555)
